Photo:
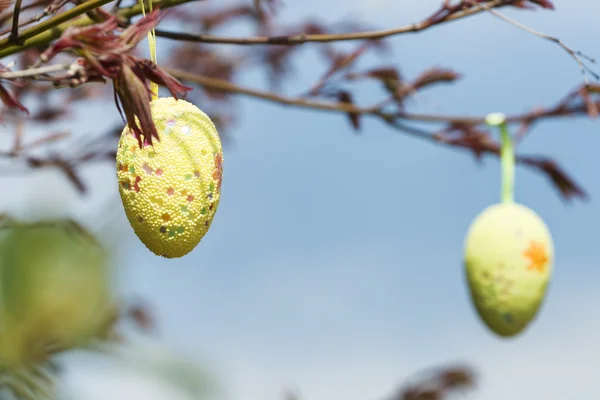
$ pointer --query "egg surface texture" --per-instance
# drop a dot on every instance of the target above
(171, 190)
(508, 262)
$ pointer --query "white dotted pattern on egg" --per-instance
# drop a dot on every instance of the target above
(171, 190)
(508, 262)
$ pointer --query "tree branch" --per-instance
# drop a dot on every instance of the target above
(472, 139)
(225, 86)
(52, 28)
(31, 72)
(14, 34)
(574, 54)
(50, 9)
(56, 21)
(302, 38)
(5, 16)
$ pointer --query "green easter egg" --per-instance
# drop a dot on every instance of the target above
(508, 262)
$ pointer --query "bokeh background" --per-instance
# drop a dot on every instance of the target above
(333, 266)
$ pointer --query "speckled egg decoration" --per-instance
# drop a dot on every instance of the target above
(508, 261)
(171, 190)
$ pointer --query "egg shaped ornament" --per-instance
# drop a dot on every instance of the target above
(171, 189)
(508, 255)
(508, 260)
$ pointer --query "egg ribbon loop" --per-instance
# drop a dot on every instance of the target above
(507, 156)
(152, 46)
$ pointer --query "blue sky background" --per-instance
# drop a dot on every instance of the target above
(333, 265)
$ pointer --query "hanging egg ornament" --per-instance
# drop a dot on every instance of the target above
(171, 189)
(508, 260)
(509, 254)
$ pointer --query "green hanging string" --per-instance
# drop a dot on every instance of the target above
(507, 156)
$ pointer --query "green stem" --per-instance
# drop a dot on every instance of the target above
(52, 28)
(507, 156)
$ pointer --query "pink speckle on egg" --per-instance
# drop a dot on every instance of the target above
(147, 169)
(159, 171)
(170, 191)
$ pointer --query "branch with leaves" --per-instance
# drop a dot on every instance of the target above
(95, 44)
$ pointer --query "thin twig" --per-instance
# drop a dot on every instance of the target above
(116, 6)
(32, 72)
(49, 10)
(302, 38)
(18, 141)
(52, 28)
(9, 13)
(14, 34)
(51, 138)
(576, 55)
(57, 20)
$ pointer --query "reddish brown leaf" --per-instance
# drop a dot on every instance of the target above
(64, 166)
(10, 101)
(530, 4)
(422, 394)
(72, 176)
(204, 60)
(51, 138)
(142, 317)
(434, 75)
(340, 62)
(218, 18)
(49, 113)
(479, 142)
(567, 187)
(277, 59)
(146, 69)
(385, 74)
(101, 40)
(134, 96)
(590, 104)
(312, 28)
(437, 385)
(346, 98)
(138, 31)
(456, 378)
(131, 88)
(107, 55)
(97, 38)
(4, 4)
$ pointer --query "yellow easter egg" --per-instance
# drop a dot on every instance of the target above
(171, 190)
(508, 261)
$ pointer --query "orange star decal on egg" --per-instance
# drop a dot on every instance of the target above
(537, 255)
